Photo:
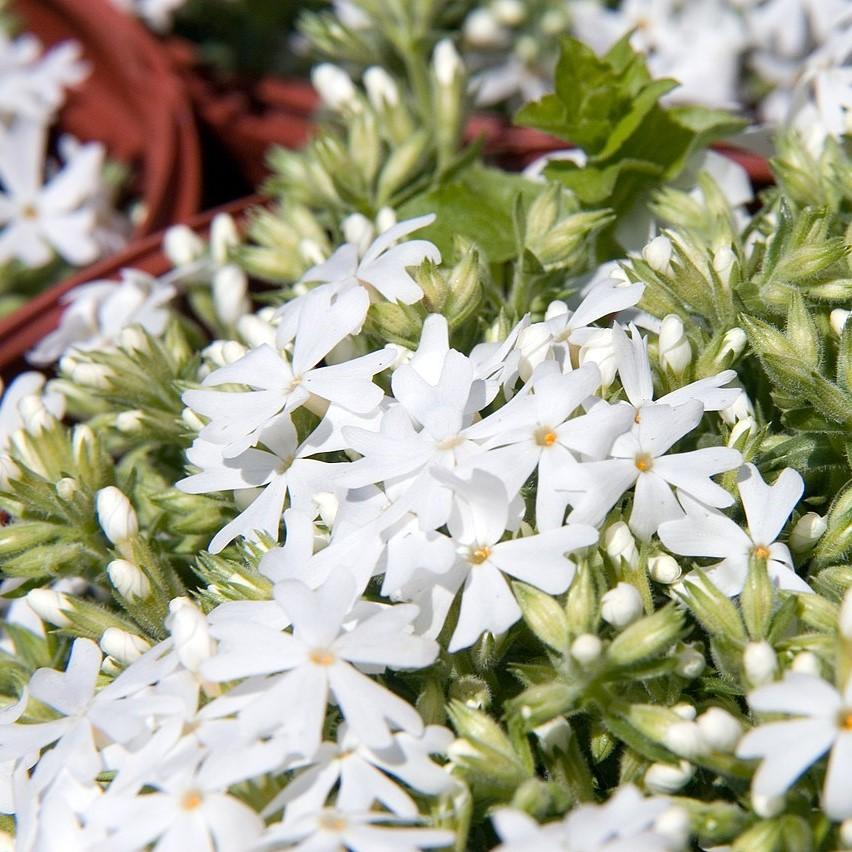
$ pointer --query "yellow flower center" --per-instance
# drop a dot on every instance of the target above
(332, 822)
(451, 442)
(760, 551)
(322, 657)
(644, 462)
(191, 800)
(545, 437)
(28, 211)
(845, 720)
(478, 556)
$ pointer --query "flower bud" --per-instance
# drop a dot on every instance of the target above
(668, 778)
(554, 735)
(646, 637)
(685, 710)
(598, 349)
(483, 30)
(129, 580)
(808, 663)
(658, 254)
(674, 824)
(182, 245)
(767, 806)
(807, 532)
(837, 319)
(129, 422)
(544, 616)
(533, 344)
(760, 662)
(663, 568)
(845, 619)
(621, 606)
(381, 88)
(191, 420)
(510, 13)
(358, 230)
(67, 488)
(123, 646)
(586, 648)
(740, 409)
(335, 87)
(733, 344)
(133, 339)
(188, 627)
(255, 331)
(35, 417)
(85, 373)
(721, 730)
(846, 833)
(224, 237)
(741, 432)
(49, 605)
(230, 299)
(685, 739)
(690, 663)
(619, 544)
(674, 348)
(724, 261)
(115, 515)
(447, 63)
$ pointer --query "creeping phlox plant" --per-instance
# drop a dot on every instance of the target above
(497, 526)
(57, 208)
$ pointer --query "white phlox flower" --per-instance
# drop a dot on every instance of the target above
(822, 722)
(708, 533)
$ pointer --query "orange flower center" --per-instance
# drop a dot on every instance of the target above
(845, 720)
(322, 657)
(760, 551)
(545, 437)
(478, 556)
(191, 800)
(644, 462)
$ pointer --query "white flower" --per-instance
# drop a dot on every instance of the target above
(319, 657)
(25, 385)
(823, 722)
(705, 532)
(33, 83)
(60, 216)
(626, 821)
(98, 312)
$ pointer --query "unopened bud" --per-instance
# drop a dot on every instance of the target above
(598, 349)
(385, 219)
(760, 663)
(554, 735)
(335, 87)
(667, 777)
(129, 422)
(741, 432)
(510, 13)
(685, 739)
(619, 544)
(483, 30)
(86, 374)
(123, 646)
(224, 237)
(182, 245)
(658, 255)
(49, 605)
(807, 662)
(66, 488)
(115, 515)
(255, 331)
(721, 730)
(129, 580)
(674, 348)
(674, 824)
(846, 833)
(358, 231)
(586, 648)
(191, 420)
(34, 415)
(230, 289)
(767, 806)
(845, 619)
(133, 339)
(837, 319)
(664, 568)
(381, 88)
(188, 627)
(733, 344)
(807, 532)
(723, 263)
(690, 663)
(685, 710)
(621, 606)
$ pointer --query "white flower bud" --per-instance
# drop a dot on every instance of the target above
(685, 710)
(807, 532)
(385, 219)
(674, 824)
(586, 648)
(182, 245)
(668, 778)
(48, 606)
(510, 13)
(846, 833)
(311, 252)
(358, 231)
(335, 87)
(741, 428)
(734, 342)
(674, 348)
(129, 422)
(191, 420)
(663, 568)
(115, 515)
(690, 663)
(598, 349)
(721, 730)
(767, 806)
(8, 470)
(86, 374)
(188, 627)
(483, 30)
(133, 339)
(446, 63)
(621, 606)
(554, 735)
(381, 88)
(129, 580)
(685, 739)
(553, 22)
(255, 331)
(224, 237)
(34, 415)
(533, 344)
(658, 255)
(230, 289)
(837, 319)
(619, 543)
(723, 264)
(807, 662)
(123, 646)
(740, 409)
(66, 488)
(760, 662)
(845, 620)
